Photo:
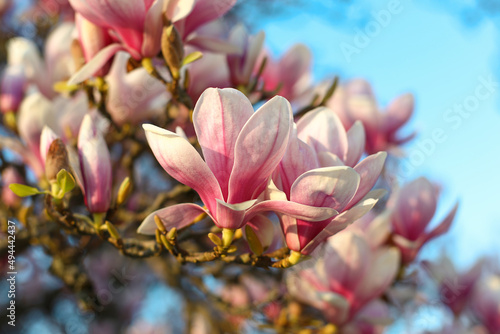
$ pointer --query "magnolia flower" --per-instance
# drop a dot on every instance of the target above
(486, 302)
(134, 96)
(63, 115)
(414, 207)
(356, 101)
(323, 131)
(241, 150)
(136, 24)
(92, 38)
(348, 278)
(57, 64)
(34, 113)
(12, 88)
(455, 288)
(95, 173)
(318, 167)
(202, 75)
(242, 65)
(291, 75)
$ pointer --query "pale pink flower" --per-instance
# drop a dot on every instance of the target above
(320, 166)
(486, 302)
(455, 289)
(242, 65)
(413, 209)
(95, 175)
(57, 64)
(356, 101)
(92, 38)
(347, 278)
(137, 25)
(133, 96)
(12, 88)
(291, 75)
(202, 74)
(241, 150)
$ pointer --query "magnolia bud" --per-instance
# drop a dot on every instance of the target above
(57, 159)
(172, 49)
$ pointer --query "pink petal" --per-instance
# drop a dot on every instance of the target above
(259, 148)
(94, 65)
(218, 117)
(322, 129)
(347, 256)
(292, 209)
(331, 187)
(383, 269)
(443, 227)
(232, 216)
(415, 207)
(327, 159)
(398, 112)
(153, 27)
(345, 218)
(179, 159)
(178, 216)
(205, 11)
(369, 170)
(356, 139)
(112, 13)
(46, 139)
(95, 164)
(211, 44)
(176, 10)
(298, 159)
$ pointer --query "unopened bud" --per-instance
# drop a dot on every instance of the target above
(124, 191)
(113, 232)
(172, 49)
(57, 159)
(172, 234)
(159, 224)
(215, 239)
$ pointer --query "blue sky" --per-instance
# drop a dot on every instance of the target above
(444, 63)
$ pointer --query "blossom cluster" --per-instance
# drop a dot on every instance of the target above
(263, 167)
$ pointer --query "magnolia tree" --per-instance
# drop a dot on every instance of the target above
(156, 143)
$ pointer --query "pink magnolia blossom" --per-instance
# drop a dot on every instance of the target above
(486, 302)
(203, 14)
(95, 174)
(356, 101)
(347, 278)
(202, 75)
(133, 96)
(241, 150)
(57, 64)
(317, 166)
(291, 75)
(12, 88)
(242, 65)
(137, 25)
(92, 38)
(455, 289)
(415, 205)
